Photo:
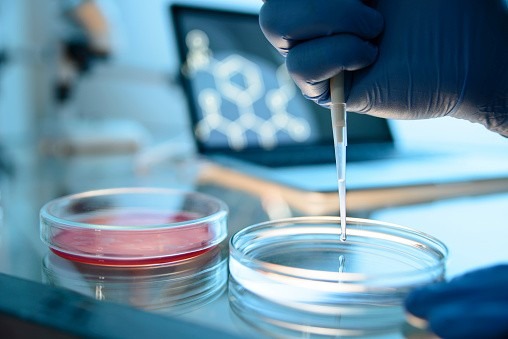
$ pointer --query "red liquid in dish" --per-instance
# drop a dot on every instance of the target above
(133, 247)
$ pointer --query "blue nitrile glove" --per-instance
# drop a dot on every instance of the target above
(406, 59)
(474, 305)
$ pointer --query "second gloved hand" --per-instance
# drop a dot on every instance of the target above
(474, 305)
(406, 59)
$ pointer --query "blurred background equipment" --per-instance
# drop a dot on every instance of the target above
(85, 41)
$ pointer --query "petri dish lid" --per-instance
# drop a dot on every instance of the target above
(133, 226)
(173, 288)
(297, 274)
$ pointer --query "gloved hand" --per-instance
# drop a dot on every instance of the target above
(474, 305)
(405, 59)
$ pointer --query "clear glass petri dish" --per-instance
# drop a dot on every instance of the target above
(133, 226)
(173, 288)
(295, 276)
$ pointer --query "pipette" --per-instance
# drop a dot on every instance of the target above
(338, 112)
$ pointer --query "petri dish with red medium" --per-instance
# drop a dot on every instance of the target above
(296, 278)
(133, 226)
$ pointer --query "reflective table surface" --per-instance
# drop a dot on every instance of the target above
(194, 290)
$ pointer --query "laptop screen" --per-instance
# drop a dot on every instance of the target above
(241, 98)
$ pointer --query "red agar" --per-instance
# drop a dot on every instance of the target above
(103, 246)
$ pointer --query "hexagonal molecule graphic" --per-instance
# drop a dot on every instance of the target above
(243, 100)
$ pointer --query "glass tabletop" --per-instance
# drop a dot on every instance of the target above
(193, 290)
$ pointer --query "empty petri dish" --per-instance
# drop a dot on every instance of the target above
(296, 277)
(173, 288)
(133, 226)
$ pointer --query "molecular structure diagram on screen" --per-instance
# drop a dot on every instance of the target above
(239, 81)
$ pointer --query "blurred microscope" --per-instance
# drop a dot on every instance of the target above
(85, 47)
(104, 106)
(70, 93)
(113, 120)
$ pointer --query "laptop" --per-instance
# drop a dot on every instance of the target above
(247, 114)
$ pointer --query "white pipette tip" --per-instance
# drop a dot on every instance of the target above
(338, 112)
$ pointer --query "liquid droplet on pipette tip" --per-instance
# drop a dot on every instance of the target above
(343, 235)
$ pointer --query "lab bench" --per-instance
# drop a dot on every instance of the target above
(38, 178)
